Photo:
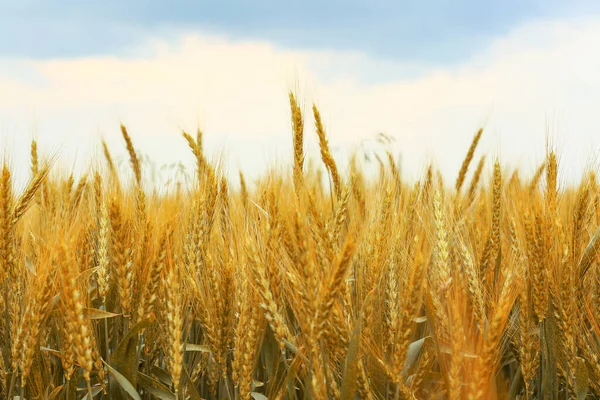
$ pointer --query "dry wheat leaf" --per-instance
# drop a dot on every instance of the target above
(162, 374)
(154, 387)
(94, 313)
(123, 382)
(582, 379)
(191, 389)
(197, 347)
(349, 379)
(55, 392)
(125, 358)
(95, 391)
(87, 274)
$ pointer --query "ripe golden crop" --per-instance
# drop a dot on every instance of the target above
(291, 289)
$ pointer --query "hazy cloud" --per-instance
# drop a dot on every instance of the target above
(539, 78)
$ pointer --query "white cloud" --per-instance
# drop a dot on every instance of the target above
(544, 73)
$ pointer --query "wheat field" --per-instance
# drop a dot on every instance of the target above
(296, 288)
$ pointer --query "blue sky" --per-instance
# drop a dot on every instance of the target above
(423, 32)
